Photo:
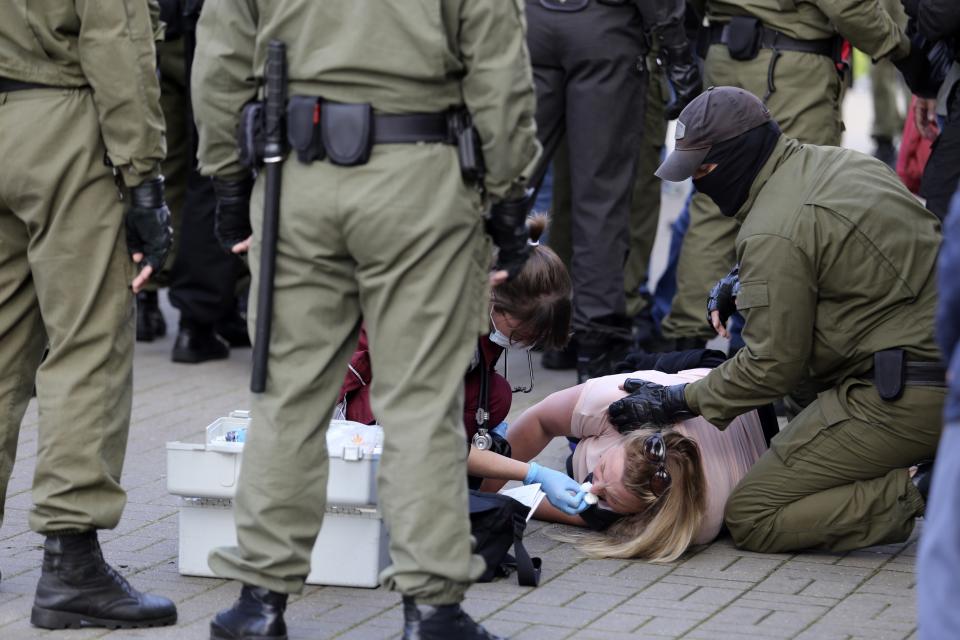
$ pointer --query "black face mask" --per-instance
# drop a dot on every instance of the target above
(739, 160)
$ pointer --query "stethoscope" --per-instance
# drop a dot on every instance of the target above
(482, 439)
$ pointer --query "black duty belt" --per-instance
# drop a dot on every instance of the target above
(925, 374)
(345, 133)
(772, 39)
(407, 128)
(7, 85)
(892, 372)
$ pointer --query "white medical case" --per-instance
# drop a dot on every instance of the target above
(352, 547)
(350, 551)
(210, 470)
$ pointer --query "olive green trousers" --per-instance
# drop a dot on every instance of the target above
(836, 477)
(399, 244)
(64, 282)
(807, 106)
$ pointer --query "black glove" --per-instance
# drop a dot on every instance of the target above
(723, 296)
(507, 226)
(682, 69)
(917, 71)
(231, 218)
(148, 224)
(648, 404)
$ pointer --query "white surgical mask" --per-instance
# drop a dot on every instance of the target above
(501, 340)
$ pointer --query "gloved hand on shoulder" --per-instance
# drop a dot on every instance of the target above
(649, 403)
(562, 491)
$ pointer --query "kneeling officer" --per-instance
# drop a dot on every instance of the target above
(837, 286)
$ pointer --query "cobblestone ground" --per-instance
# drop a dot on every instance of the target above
(713, 593)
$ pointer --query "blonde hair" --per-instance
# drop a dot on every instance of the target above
(663, 530)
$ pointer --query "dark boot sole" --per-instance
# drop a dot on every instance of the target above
(217, 633)
(192, 357)
(53, 619)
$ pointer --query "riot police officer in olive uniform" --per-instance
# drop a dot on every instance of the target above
(837, 284)
(789, 54)
(78, 94)
(378, 220)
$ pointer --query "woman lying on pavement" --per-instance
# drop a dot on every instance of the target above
(659, 491)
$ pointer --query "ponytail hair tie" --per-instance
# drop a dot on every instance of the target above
(533, 243)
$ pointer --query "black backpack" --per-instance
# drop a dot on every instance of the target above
(497, 522)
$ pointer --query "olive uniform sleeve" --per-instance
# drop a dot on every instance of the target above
(868, 27)
(778, 300)
(117, 54)
(498, 90)
(222, 81)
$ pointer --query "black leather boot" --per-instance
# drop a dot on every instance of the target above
(150, 322)
(77, 588)
(441, 622)
(921, 479)
(598, 354)
(233, 329)
(256, 615)
(198, 343)
(560, 359)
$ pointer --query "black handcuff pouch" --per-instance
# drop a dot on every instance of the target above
(744, 36)
(251, 135)
(889, 373)
(347, 132)
(303, 128)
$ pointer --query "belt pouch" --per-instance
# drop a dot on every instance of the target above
(303, 128)
(889, 372)
(347, 132)
(744, 35)
(564, 5)
(469, 147)
(251, 136)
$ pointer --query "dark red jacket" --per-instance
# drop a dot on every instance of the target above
(356, 387)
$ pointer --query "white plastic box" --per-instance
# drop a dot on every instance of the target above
(352, 547)
(211, 470)
(351, 550)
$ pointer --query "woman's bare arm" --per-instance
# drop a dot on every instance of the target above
(549, 513)
(530, 433)
(487, 464)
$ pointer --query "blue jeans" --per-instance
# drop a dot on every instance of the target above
(938, 564)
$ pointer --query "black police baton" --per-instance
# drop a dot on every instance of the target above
(275, 78)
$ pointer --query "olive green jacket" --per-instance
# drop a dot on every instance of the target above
(837, 262)
(863, 22)
(107, 46)
(401, 57)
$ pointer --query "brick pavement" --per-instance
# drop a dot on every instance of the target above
(714, 593)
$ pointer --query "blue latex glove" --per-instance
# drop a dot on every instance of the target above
(562, 491)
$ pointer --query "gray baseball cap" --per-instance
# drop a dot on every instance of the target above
(716, 115)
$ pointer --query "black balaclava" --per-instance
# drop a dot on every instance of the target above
(739, 160)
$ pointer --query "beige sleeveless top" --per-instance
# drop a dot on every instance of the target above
(726, 455)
